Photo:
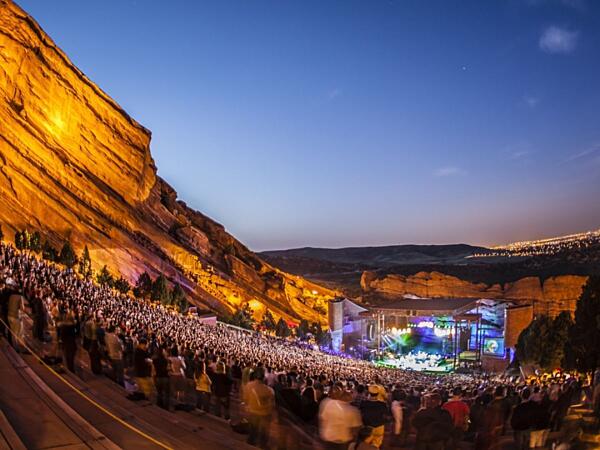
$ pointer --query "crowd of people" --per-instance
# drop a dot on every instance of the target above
(414, 360)
(179, 362)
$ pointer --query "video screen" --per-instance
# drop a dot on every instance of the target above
(493, 346)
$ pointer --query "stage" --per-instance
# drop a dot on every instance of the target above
(435, 335)
(431, 335)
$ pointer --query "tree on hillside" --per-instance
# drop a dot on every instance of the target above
(322, 337)
(268, 321)
(324, 340)
(282, 329)
(26, 239)
(105, 278)
(554, 354)
(543, 341)
(317, 330)
(35, 242)
(584, 335)
(49, 253)
(160, 290)
(243, 317)
(18, 240)
(303, 329)
(143, 286)
(122, 285)
(1, 233)
(21, 240)
(183, 305)
(67, 256)
(178, 297)
(531, 342)
(85, 263)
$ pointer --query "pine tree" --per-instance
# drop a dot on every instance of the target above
(67, 256)
(26, 239)
(322, 337)
(35, 242)
(160, 290)
(325, 339)
(85, 263)
(178, 297)
(19, 244)
(143, 287)
(533, 339)
(49, 253)
(122, 285)
(268, 321)
(243, 317)
(316, 329)
(584, 335)
(303, 329)
(1, 234)
(105, 278)
(183, 305)
(282, 329)
(554, 350)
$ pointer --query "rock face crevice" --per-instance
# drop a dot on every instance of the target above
(74, 164)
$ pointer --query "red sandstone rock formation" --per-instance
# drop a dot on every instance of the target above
(74, 164)
(548, 296)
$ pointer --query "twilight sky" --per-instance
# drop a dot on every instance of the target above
(338, 123)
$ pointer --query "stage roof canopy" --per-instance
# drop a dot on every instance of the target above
(427, 306)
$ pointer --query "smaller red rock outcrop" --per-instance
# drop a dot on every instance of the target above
(548, 296)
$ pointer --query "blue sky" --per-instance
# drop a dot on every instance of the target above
(338, 123)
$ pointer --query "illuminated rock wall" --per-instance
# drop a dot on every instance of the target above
(549, 296)
(73, 164)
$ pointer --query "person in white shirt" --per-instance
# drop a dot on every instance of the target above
(270, 377)
(338, 420)
(398, 398)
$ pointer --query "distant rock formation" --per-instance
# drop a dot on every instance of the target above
(549, 296)
(74, 164)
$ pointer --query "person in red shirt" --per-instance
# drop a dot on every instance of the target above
(459, 411)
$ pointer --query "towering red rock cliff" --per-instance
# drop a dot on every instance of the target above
(74, 164)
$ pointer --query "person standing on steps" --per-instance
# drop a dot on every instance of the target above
(37, 315)
(459, 412)
(374, 412)
(434, 424)
(5, 293)
(67, 336)
(142, 369)
(203, 388)
(260, 404)
(339, 421)
(90, 340)
(177, 375)
(16, 305)
(161, 378)
(221, 386)
(114, 348)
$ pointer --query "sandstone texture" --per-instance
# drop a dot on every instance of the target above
(549, 296)
(74, 165)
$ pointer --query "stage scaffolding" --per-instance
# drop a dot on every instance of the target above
(461, 315)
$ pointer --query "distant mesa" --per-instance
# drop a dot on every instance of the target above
(547, 273)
